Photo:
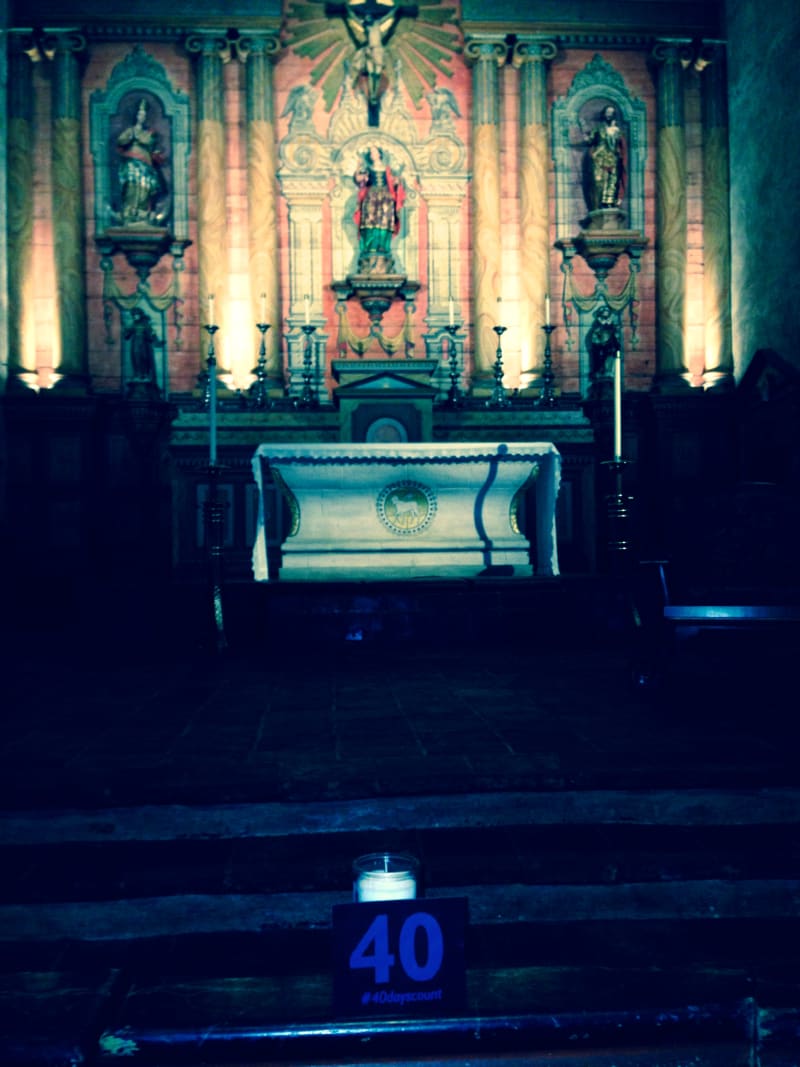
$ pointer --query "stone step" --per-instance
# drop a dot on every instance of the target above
(574, 838)
(489, 905)
(168, 822)
(654, 928)
(502, 1022)
(107, 1019)
(499, 855)
(257, 883)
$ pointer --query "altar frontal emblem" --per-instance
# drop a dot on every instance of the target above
(406, 507)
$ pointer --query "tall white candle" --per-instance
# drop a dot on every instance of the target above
(451, 311)
(307, 308)
(212, 390)
(263, 318)
(618, 407)
(547, 311)
(212, 411)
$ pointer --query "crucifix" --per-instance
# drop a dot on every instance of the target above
(370, 24)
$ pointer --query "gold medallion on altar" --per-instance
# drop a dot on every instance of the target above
(406, 507)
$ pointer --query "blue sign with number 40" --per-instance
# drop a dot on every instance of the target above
(399, 957)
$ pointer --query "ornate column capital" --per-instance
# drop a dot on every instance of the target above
(209, 44)
(532, 48)
(254, 43)
(673, 50)
(530, 55)
(709, 53)
(710, 63)
(212, 50)
(25, 43)
(673, 56)
(23, 52)
(486, 53)
(486, 48)
(65, 47)
(66, 40)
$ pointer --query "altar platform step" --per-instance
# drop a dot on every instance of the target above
(491, 610)
(113, 617)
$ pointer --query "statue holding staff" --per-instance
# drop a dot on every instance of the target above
(604, 163)
(378, 214)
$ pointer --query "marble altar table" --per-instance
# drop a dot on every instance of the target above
(421, 510)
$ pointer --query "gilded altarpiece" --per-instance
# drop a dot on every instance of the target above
(317, 161)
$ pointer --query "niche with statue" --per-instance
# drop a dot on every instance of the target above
(140, 145)
(600, 152)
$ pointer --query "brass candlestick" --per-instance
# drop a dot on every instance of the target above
(259, 393)
(619, 519)
(547, 398)
(209, 377)
(215, 527)
(308, 398)
(498, 399)
(214, 507)
(454, 395)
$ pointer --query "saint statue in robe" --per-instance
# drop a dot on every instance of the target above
(378, 214)
(141, 179)
(143, 342)
(604, 163)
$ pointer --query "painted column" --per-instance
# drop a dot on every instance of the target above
(212, 256)
(70, 363)
(486, 53)
(530, 57)
(19, 206)
(257, 50)
(671, 218)
(716, 219)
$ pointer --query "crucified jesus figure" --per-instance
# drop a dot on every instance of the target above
(371, 24)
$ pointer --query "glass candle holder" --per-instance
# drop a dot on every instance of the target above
(385, 876)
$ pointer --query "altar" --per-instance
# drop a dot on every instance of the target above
(400, 511)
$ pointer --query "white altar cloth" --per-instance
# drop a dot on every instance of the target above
(418, 510)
